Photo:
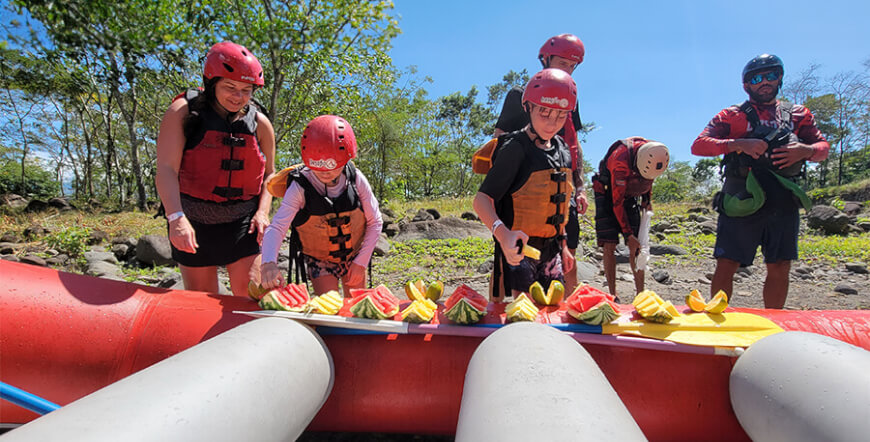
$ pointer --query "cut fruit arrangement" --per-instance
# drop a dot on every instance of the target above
(716, 305)
(328, 303)
(419, 311)
(653, 308)
(418, 290)
(554, 294)
(376, 303)
(290, 298)
(522, 309)
(592, 306)
(465, 305)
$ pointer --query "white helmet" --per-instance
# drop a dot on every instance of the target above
(652, 159)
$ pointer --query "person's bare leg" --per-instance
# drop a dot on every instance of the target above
(325, 283)
(610, 266)
(240, 275)
(201, 279)
(723, 276)
(776, 284)
(571, 277)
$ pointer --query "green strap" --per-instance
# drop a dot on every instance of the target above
(796, 190)
(734, 206)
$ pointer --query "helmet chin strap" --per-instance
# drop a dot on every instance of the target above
(532, 126)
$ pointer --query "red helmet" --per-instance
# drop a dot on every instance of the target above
(553, 88)
(233, 61)
(328, 142)
(567, 46)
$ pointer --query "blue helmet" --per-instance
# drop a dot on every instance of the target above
(762, 62)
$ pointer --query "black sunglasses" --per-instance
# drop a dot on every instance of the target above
(769, 76)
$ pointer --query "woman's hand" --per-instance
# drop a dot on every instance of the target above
(259, 223)
(270, 276)
(567, 260)
(182, 235)
(356, 275)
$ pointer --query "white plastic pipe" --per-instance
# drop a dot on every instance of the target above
(264, 380)
(529, 382)
(798, 386)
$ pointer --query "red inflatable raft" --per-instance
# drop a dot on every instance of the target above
(63, 336)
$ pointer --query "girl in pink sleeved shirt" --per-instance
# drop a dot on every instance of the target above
(331, 206)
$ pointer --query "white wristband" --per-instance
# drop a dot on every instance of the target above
(174, 216)
(495, 225)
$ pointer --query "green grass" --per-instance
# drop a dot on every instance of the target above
(444, 206)
(432, 259)
(834, 249)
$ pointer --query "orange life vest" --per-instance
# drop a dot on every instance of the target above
(541, 205)
(330, 229)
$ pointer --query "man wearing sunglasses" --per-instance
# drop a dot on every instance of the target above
(766, 144)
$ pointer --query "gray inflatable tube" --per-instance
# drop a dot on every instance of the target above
(264, 380)
(531, 382)
(798, 386)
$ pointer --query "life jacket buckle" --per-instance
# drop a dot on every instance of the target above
(556, 219)
(559, 177)
(232, 164)
(234, 141)
(228, 192)
(558, 198)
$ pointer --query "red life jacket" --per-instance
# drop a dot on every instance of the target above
(222, 161)
(636, 184)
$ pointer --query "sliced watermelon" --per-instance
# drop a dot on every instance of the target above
(592, 306)
(477, 300)
(465, 306)
(376, 303)
(291, 298)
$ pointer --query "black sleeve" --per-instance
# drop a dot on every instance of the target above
(504, 170)
(512, 117)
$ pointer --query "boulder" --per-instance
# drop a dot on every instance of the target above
(708, 227)
(852, 208)
(444, 228)
(61, 204)
(666, 249)
(34, 260)
(661, 276)
(103, 269)
(485, 267)
(422, 215)
(7, 248)
(435, 213)
(390, 229)
(36, 206)
(154, 250)
(857, 267)
(383, 246)
(828, 219)
(97, 237)
(34, 231)
(845, 289)
(586, 271)
(95, 257)
(470, 216)
(14, 201)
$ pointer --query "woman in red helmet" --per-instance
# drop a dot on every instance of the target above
(330, 205)
(214, 152)
(525, 195)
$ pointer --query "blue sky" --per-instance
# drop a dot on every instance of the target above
(658, 69)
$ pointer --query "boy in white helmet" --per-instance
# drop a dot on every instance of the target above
(625, 175)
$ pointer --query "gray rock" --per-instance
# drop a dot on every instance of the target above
(856, 267)
(126, 240)
(708, 227)
(57, 261)
(828, 219)
(154, 250)
(390, 229)
(11, 258)
(661, 226)
(7, 248)
(744, 271)
(14, 201)
(852, 208)
(36, 206)
(383, 246)
(486, 267)
(34, 231)
(94, 257)
(665, 249)
(851, 228)
(704, 280)
(586, 271)
(470, 216)
(97, 237)
(444, 228)
(627, 277)
(709, 275)
(120, 251)
(845, 289)
(387, 211)
(102, 268)
(864, 225)
(33, 259)
(703, 210)
(803, 270)
(674, 231)
(622, 252)
(170, 280)
(60, 203)
(422, 215)
(703, 219)
(661, 276)
(11, 237)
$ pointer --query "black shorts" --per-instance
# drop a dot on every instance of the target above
(572, 229)
(220, 244)
(607, 228)
(775, 229)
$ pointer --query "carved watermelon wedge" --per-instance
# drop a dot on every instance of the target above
(592, 306)
(376, 303)
(465, 306)
(290, 298)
